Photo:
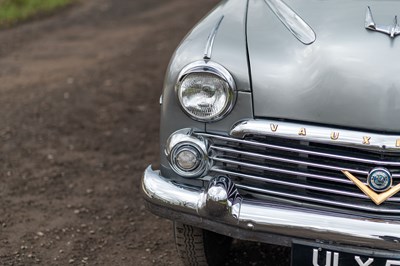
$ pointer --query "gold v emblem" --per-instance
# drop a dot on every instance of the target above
(377, 198)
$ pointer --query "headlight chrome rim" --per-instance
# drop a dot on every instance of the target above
(214, 69)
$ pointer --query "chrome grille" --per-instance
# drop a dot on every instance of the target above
(302, 171)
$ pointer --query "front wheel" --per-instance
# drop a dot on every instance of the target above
(200, 247)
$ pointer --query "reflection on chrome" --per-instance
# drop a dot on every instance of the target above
(321, 134)
(245, 214)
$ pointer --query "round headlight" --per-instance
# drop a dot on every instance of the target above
(205, 94)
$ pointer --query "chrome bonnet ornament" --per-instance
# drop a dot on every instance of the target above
(392, 30)
(292, 21)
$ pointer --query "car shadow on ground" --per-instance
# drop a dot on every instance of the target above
(254, 253)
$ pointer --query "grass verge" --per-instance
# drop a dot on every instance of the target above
(13, 11)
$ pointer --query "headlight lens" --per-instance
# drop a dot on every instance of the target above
(205, 94)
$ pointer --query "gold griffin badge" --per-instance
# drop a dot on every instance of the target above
(375, 197)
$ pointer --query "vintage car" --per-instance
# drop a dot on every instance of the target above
(281, 124)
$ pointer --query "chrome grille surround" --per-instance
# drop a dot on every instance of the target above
(304, 169)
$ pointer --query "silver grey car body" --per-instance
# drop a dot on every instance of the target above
(316, 93)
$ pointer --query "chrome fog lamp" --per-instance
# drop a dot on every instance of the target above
(187, 154)
(187, 158)
(206, 91)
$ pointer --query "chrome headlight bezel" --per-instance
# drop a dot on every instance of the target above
(218, 71)
(182, 139)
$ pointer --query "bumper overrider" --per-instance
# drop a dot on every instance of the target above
(220, 208)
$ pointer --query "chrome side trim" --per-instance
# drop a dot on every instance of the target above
(251, 216)
(304, 151)
(210, 40)
(328, 135)
(292, 21)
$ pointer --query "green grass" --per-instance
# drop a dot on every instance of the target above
(12, 11)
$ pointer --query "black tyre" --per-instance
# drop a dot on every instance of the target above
(200, 247)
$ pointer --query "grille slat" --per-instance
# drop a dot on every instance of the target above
(302, 171)
(282, 171)
(279, 182)
(285, 160)
(322, 201)
(305, 151)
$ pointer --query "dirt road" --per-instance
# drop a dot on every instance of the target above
(79, 121)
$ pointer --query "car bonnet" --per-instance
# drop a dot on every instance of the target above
(348, 76)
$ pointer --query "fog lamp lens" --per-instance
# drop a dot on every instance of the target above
(187, 159)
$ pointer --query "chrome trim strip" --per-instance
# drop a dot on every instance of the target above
(321, 201)
(326, 178)
(263, 218)
(292, 21)
(358, 139)
(285, 160)
(290, 184)
(278, 170)
(309, 152)
(279, 182)
(210, 40)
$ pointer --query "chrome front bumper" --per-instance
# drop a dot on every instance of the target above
(220, 208)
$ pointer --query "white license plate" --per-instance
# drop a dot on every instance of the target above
(314, 255)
